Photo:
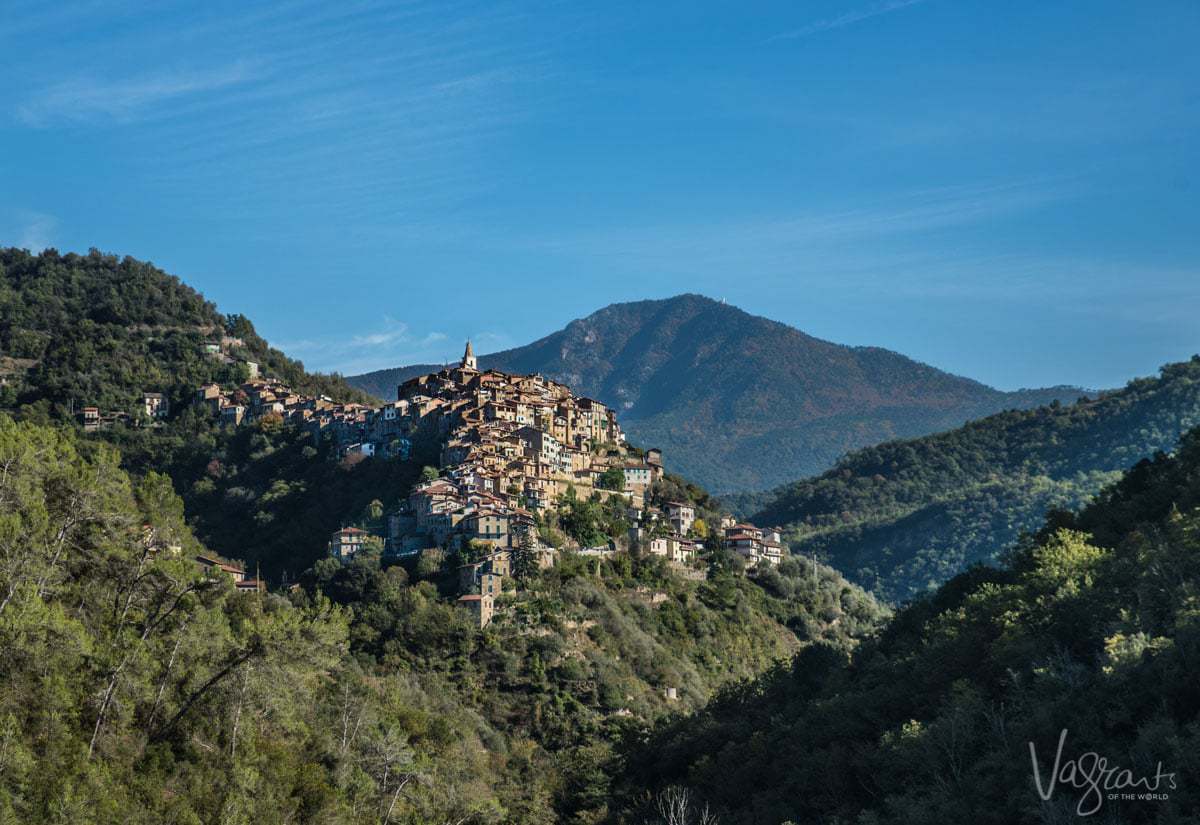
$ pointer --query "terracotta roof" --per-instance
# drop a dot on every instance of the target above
(211, 562)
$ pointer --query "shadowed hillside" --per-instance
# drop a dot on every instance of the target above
(905, 516)
(1088, 631)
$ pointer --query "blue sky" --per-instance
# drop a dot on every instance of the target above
(1006, 190)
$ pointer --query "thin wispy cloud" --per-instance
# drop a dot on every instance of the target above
(924, 210)
(893, 219)
(35, 230)
(491, 341)
(847, 19)
(84, 99)
(371, 112)
(356, 151)
(392, 344)
(395, 332)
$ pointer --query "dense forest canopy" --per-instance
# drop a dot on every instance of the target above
(904, 516)
(1092, 626)
(134, 689)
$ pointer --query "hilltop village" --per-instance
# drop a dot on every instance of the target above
(510, 449)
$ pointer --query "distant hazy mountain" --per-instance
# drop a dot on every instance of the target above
(740, 402)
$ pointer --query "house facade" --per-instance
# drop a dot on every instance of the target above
(481, 605)
(682, 516)
(755, 544)
(346, 543)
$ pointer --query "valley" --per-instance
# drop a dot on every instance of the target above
(485, 601)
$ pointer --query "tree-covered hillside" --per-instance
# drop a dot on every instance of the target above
(905, 516)
(739, 402)
(95, 329)
(135, 690)
(99, 330)
(1092, 627)
(265, 493)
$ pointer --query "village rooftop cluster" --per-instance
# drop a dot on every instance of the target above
(509, 448)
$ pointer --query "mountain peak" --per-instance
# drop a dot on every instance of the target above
(736, 400)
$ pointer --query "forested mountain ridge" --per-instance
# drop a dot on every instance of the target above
(95, 329)
(903, 516)
(1090, 628)
(740, 402)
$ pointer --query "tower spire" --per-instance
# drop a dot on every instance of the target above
(468, 359)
